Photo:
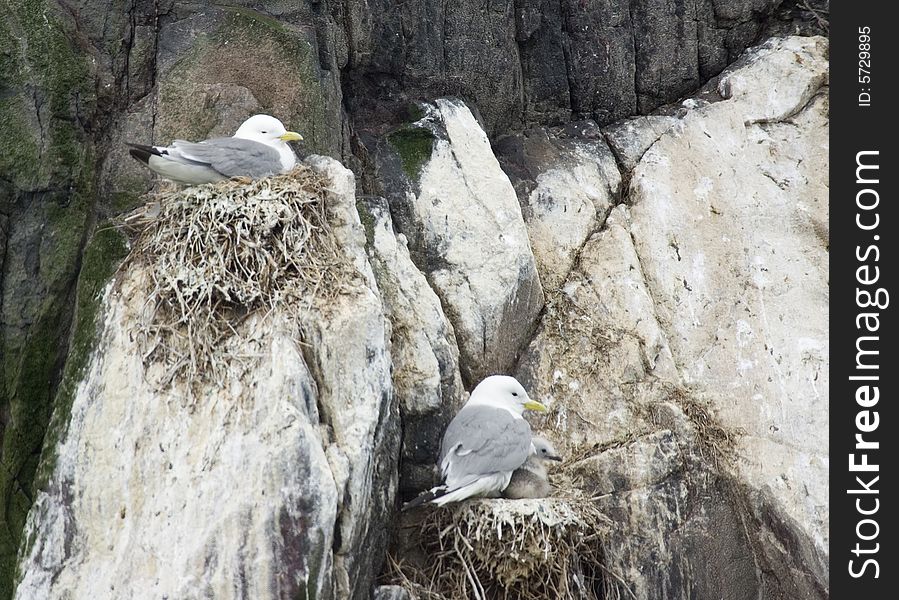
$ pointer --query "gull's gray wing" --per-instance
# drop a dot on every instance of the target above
(232, 157)
(481, 440)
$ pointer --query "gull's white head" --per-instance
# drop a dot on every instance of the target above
(266, 129)
(544, 450)
(271, 132)
(502, 391)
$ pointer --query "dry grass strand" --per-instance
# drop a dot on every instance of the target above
(505, 549)
(216, 254)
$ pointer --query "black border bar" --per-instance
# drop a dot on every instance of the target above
(864, 422)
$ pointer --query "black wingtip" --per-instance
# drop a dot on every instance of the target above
(424, 497)
(143, 153)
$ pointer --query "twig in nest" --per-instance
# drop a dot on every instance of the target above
(216, 254)
(498, 549)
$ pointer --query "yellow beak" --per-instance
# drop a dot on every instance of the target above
(533, 405)
(290, 136)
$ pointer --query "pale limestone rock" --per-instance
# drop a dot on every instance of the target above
(268, 486)
(599, 332)
(425, 356)
(630, 138)
(567, 181)
(729, 220)
(711, 289)
(710, 281)
(563, 213)
(775, 80)
(343, 214)
(150, 498)
(565, 208)
(470, 234)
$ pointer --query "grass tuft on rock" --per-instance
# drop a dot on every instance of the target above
(504, 549)
(414, 146)
(715, 442)
(216, 254)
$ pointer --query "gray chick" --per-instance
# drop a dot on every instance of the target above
(530, 479)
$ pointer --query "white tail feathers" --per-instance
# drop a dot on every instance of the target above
(486, 486)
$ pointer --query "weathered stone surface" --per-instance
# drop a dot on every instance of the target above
(425, 356)
(598, 337)
(437, 48)
(736, 260)
(706, 298)
(47, 167)
(666, 506)
(78, 80)
(136, 500)
(630, 138)
(541, 36)
(539, 61)
(567, 181)
(458, 210)
(124, 180)
(268, 485)
(391, 592)
(601, 59)
(695, 524)
(214, 67)
(208, 58)
(349, 356)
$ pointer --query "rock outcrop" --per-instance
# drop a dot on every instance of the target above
(77, 80)
(639, 299)
(526, 61)
(567, 182)
(47, 194)
(425, 356)
(464, 225)
(266, 485)
(689, 343)
(752, 231)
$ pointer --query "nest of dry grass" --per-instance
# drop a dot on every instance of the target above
(504, 549)
(715, 443)
(216, 254)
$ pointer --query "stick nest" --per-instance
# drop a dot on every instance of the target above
(495, 548)
(216, 254)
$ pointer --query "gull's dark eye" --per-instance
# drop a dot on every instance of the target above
(515, 394)
(264, 132)
(543, 450)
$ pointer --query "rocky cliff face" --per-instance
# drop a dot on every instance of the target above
(657, 281)
(523, 61)
(268, 484)
(705, 293)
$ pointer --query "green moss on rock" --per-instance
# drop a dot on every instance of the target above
(30, 368)
(277, 64)
(240, 16)
(414, 112)
(102, 256)
(368, 223)
(16, 159)
(18, 143)
(41, 54)
(414, 146)
(46, 91)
